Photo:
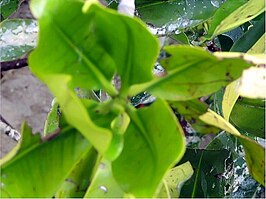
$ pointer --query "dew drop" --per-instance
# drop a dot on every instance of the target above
(102, 165)
(215, 3)
(103, 188)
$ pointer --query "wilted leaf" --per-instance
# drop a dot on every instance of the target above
(44, 163)
(234, 13)
(17, 38)
(152, 143)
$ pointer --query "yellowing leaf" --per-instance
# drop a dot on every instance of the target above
(229, 99)
(252, 83)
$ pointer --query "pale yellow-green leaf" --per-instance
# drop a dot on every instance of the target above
(245, 13)
(229, 99)
(252, 58)
(253, 83)
(210, 117)
(174, 180)
(259, 46)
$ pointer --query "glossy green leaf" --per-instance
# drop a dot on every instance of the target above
(209, 166)
(152, 143)
(78, 181)
(17, 38)
(249, 116)
(232, 14)
(8, 7)
(181, 83)
(103, 184)
(244, 43)
(174, 180)
(44, 163)
(176, 14)
(256, 163)
(229, 99)
(191, 110)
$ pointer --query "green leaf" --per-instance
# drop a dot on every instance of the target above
(78, 181)
(179, 14)
(209, 167)
(151, 147)
(229, 99)
(90, 52)
(52, 121)
(180, 38)
(8, 7)
(103, 184)
(244, 43)
(180, 82)
(259, 46)
(76, 113)
(174, 180)
(18, 37)
(44, 163)
(249, 116)
(76, 53)
(191, 110)
(232, 14)
(256, 163)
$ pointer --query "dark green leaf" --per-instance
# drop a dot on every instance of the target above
(250, 37)
(256, 163)
(8, 7)
(176, 14)
(249, 116)
(209, 167)
(151, 147)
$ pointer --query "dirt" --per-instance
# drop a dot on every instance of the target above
(23, 98)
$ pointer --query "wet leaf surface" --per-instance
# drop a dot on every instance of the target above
(17, 38)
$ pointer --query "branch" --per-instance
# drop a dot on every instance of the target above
(15, 64)
(6, 128)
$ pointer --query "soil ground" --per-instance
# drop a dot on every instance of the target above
(23, 98)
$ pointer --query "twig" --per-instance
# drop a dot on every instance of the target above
(15, 64)
(9, 130)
